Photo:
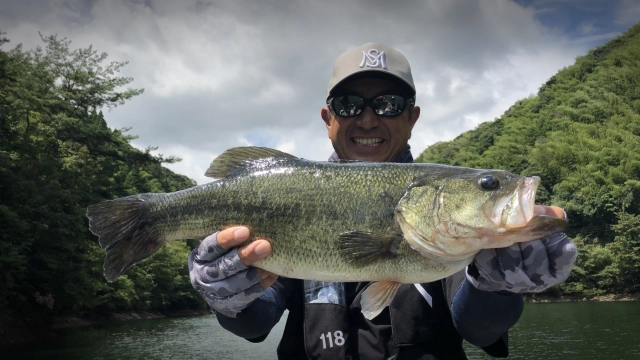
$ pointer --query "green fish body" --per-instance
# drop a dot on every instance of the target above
(334, 221)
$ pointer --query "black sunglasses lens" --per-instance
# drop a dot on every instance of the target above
(347, 105)
(388, 105)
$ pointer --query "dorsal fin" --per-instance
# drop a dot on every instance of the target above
(236, 157)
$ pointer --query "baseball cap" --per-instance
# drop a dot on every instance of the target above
(371, 59)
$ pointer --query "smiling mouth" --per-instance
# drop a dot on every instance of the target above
(367, 141)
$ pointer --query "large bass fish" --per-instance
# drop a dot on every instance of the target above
(334, 221)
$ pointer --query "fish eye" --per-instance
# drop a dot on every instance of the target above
(489, 182)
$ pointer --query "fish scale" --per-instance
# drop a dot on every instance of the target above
(301, 212)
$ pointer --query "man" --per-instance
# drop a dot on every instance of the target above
(369, 116)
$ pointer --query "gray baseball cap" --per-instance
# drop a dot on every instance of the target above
(371, 59)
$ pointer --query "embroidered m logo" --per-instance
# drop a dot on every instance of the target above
(374, 59)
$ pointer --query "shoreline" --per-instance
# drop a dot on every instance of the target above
(541, 298)
(71, 321)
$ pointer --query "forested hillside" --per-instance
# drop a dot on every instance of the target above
(57, 156)
(581, 135)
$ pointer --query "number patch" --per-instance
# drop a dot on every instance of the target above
(337, 339)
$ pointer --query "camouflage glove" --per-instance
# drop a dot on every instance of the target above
(226, 284)
(531, 266)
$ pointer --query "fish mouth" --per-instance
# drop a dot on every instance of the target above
(360, 141)
(518, 209)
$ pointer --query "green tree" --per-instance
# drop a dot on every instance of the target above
(626, 252)
(57, 156)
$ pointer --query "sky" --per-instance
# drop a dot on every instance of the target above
(220, 74)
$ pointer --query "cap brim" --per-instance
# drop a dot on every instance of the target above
(378, 74)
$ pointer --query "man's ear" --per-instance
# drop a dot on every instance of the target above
(415, 114)
(326, 116)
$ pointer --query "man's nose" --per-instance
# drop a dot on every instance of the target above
(367, 119)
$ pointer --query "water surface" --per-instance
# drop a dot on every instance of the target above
(576, 330)
(588, 330)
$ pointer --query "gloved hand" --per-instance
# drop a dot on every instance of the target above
(220, 271)
(531, 266)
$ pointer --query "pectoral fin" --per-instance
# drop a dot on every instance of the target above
(361, 248)
(377, 296)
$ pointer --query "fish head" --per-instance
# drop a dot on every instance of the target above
(455, 216)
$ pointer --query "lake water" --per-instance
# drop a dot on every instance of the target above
(588, 330)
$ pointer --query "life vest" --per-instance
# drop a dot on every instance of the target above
(325, 322)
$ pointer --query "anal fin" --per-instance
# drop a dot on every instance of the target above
(378, 296)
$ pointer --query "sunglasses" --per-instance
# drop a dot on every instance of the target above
(382, 105)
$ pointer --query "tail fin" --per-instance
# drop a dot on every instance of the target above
(122, 231)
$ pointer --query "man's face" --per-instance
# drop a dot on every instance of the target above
(370, 137)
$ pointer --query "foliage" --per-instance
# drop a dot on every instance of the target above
(581, 135)
(57, 156)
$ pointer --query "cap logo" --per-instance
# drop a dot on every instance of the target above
(374, 59)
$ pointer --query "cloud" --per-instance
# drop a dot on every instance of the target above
(219, 74)
(628, 13)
